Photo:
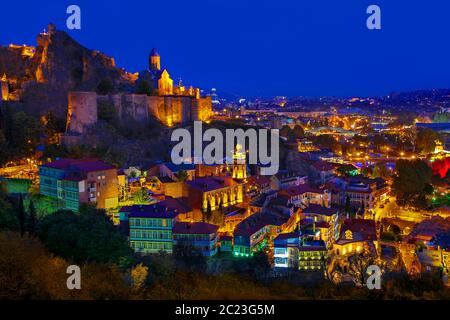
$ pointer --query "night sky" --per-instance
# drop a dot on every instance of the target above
(260, 47)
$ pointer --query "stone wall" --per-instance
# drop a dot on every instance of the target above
(170, 110)
(82, 111)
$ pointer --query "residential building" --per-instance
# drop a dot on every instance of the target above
(357, 235)
(325, 219)
(303, 195)
(255, 232)
(289, 252)
(201, 236)
(77, 181)
(150, 228)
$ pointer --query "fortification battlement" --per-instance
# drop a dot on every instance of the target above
(169, 109)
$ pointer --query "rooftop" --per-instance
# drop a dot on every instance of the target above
(298, 190)
(318, 209)
(82, 165)
(211, 183)
(150, 211)
(194, 228)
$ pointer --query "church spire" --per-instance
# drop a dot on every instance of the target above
(154, 60)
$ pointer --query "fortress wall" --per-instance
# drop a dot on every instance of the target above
(202, 109)
(5, 90)
(170, 110)
(82, 111)
(152, 105)
(135, 106)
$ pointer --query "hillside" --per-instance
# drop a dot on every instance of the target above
(41, 76)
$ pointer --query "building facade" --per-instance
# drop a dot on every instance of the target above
(199, 235)
(150, 228)
(77, 181)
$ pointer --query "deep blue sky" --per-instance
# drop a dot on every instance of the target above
(260, 47)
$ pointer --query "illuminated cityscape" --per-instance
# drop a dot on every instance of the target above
(88, 179)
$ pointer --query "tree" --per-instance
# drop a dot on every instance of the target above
(298, 132)
(347, 205)
(28, 271)
(138, 276)
(426, 140)
(412, 182)
(88, 236)
(8, 217)
(21, 215)
(284, 131)
(143, 87)
(32, 218)
(182, 175)
(189, 257)
(105, 86)
(141, 196)
(358, 264)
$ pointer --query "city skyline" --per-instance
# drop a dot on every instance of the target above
(291, 49)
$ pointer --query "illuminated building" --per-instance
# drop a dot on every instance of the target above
(312, 257)
(76, 181)
(357, 235)
(254, 233)
(304, 195)
(226, 243)
(330, 216)
(4, 87)
(289, 253)
(199, 235)
(212, 193)
(170, 104)
(239, 168)
(150, 228)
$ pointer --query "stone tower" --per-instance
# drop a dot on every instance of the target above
(154, 60)
(5, 87)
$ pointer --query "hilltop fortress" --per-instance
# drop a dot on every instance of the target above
(168, 103)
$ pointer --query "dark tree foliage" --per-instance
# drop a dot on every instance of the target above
(8, 216)
(105, 86)
(412, 182)
(21, 215)
(88, 236)
(31, 218)
(426, 140)
(188, 257)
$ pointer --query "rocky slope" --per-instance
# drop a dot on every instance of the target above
(44, 75)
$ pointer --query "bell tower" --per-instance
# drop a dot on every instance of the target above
(154, 60)
(5, 87)
(239, 168)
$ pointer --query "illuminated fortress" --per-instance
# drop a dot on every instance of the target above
(170, 104)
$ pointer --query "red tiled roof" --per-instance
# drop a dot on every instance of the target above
(150, 211)
(259, 180)
(298, 190)
(317, 209)
(194, 228)
(175, 204)
(362, 229)
(256, 222)
(82, 165)
(324, 166)
(211, 183)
